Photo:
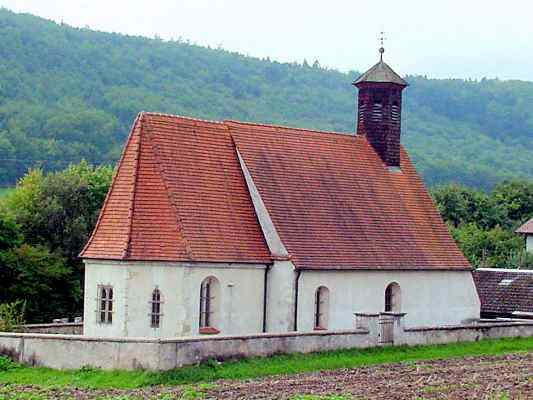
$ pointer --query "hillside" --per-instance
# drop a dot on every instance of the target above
(68, 93)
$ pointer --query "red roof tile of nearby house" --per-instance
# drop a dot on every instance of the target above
(504, 291)
(180, 194)
(527, 228)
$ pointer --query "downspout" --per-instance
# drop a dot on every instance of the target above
(265, 288)
(296, 300)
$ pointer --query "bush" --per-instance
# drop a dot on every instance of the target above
(12, 315)
(7, 364)
(520, 260)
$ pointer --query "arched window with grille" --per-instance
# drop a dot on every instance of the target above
(105, 304)
(321, 308)
(209, 303)
(393, 298)
(155, 305)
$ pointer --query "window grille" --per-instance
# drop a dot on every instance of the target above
(388, 299)
(155, 315)
(392, 298)
(105, 304)
(206, 303)
(321, 307)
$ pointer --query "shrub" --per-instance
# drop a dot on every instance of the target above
(12, 315)
(7, 364)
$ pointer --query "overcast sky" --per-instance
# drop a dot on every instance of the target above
(444, 38)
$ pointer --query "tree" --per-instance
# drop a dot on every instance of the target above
(487, 248)
(42, 280)
(59, 209)
(53, 214)
(517, 198)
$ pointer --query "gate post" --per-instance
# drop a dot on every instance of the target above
(391, 328)
(369, 322)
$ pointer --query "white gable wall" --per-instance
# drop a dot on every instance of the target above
(429, 298)
(241, 301)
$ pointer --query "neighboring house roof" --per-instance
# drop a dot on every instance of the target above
(504, 291)
(381, 73)
(179, 194)
(527, 228)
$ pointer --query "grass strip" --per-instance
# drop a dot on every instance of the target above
(259, 367)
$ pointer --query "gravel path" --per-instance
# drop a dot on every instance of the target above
(498, 377)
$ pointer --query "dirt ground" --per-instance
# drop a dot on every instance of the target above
(499, 377)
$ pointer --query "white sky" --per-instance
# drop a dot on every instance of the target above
(444, 38)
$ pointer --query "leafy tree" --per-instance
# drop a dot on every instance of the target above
(54, 215)
(42, 279)
(517, 198)
(459, 205)
(9, 233)
(487, 248)
(59, 209)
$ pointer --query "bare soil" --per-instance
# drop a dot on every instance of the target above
(497, 377)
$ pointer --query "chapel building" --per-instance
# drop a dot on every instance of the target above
(239, 228)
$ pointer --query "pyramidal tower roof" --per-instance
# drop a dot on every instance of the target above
(381, 73)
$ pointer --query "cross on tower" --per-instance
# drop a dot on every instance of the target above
(381, 39)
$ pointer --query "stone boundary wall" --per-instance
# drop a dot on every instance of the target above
(74, 351)
(66, 328)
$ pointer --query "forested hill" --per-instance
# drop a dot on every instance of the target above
(68, 93)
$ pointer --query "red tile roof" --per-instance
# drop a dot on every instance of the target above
(179, 195)
(332, 200)
(527, 228)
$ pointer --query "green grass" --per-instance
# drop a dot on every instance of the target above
(259, 367)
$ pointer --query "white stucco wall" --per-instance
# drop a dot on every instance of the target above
(529, 243)
(429, 298)
(240, 304)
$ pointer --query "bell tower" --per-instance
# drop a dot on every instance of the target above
(380, 110)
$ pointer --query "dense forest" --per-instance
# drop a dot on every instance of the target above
(68, 94)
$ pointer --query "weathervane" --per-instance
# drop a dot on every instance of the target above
(381, 49)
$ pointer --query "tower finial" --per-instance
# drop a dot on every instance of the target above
(381, 49)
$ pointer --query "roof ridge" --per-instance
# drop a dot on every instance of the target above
(157, 114)
(293, 128)
(510, 270)
(111, 186)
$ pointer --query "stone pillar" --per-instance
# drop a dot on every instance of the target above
(369, 322)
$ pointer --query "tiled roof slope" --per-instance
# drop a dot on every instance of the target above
(336, 205)
(527, 228)
(504, 291)
(179, 194)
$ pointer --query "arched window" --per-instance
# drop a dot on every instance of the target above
(393, 298)
(209, 301)
(321, 308)
(105, 304)
(155, 315)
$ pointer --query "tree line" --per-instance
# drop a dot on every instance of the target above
(68, 94)
(484, 224)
